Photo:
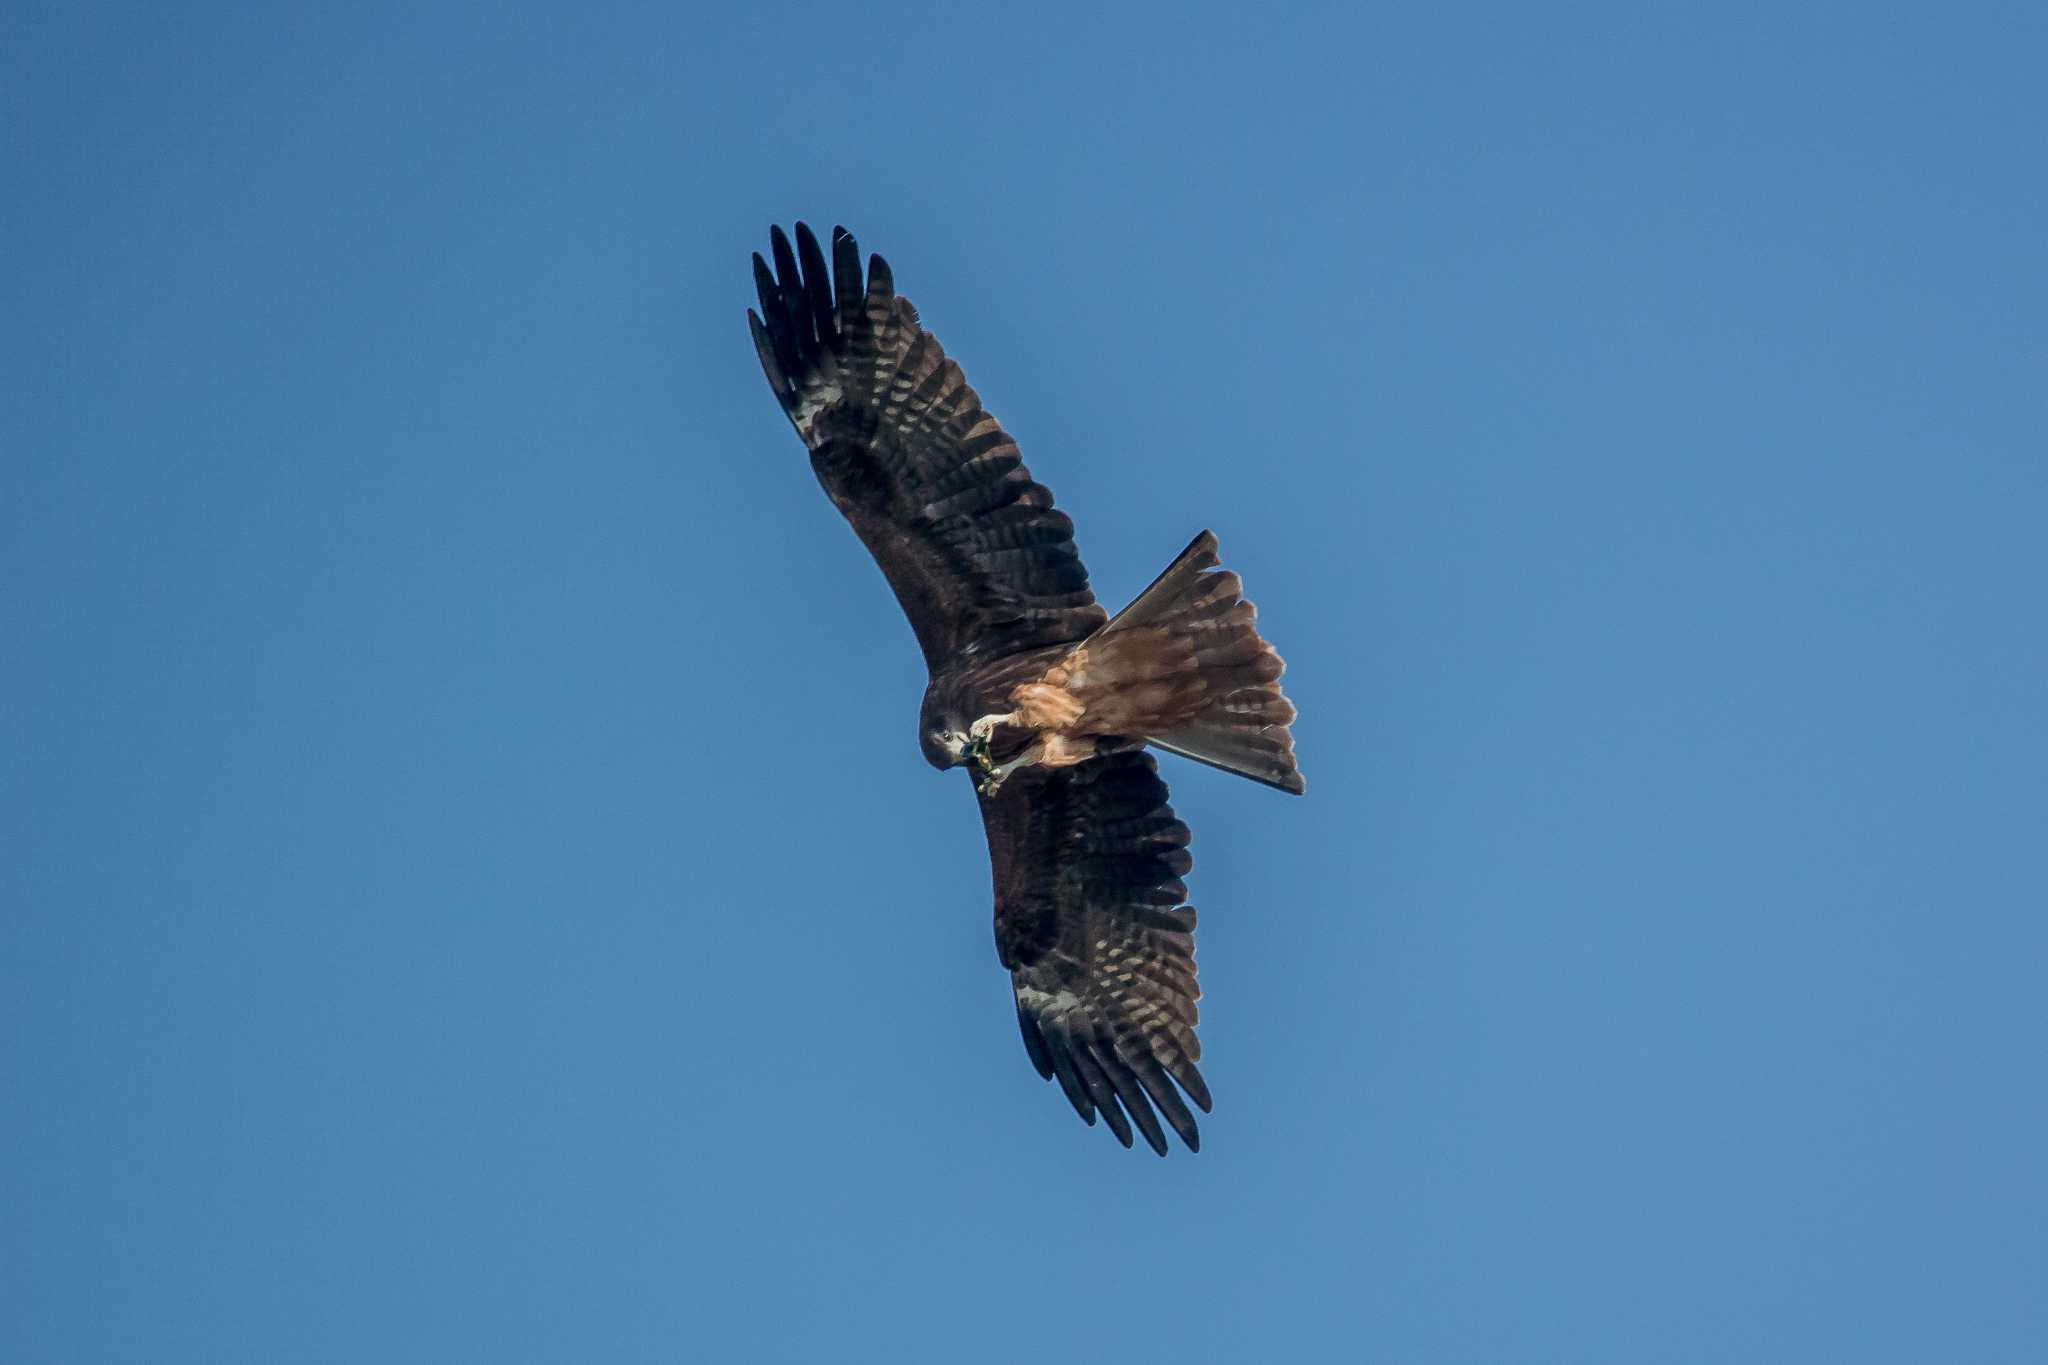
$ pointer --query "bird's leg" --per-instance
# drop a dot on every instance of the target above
(994, 774)
(980, 733)
(984, 729)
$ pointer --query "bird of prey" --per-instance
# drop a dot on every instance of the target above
(1046, 699)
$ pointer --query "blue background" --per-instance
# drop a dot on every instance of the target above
(471, 891)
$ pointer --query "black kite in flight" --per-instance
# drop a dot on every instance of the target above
(1047, 699)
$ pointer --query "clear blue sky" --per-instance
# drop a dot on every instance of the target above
(470, 888)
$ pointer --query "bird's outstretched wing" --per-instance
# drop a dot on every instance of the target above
(976, 554)
(1088, 864)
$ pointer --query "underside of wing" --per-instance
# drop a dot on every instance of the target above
(1088, 862)
(977, 555)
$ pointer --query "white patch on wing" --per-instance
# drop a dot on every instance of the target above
(813, 401)
(1048, 1002)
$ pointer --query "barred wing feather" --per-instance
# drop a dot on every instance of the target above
(980, 560)
(1088, 864)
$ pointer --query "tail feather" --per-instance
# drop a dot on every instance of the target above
(1192, 628)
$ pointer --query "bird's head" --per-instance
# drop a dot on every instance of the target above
(945, 747)
(941, 734)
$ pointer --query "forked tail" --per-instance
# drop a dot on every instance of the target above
(1227, 709)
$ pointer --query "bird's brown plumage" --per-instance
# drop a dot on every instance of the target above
(972, 545)
(1088, 864)
(1088, 858)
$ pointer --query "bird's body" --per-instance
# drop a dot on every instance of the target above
(1045, 698)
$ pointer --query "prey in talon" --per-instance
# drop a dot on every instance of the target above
(988, 772)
